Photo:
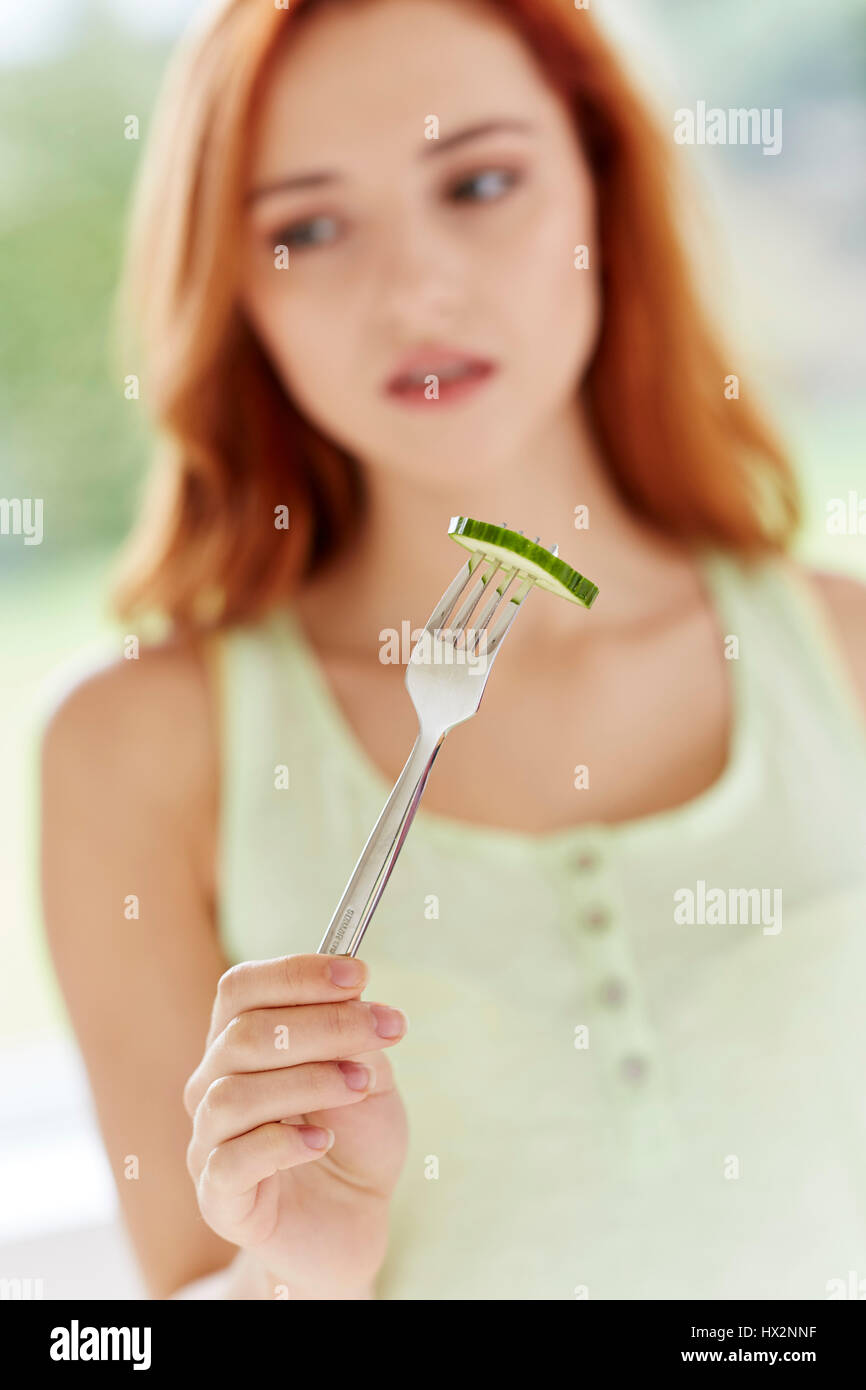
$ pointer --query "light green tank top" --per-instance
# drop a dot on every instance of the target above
(634, 1066)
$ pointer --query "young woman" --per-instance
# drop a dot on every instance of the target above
(615, 1081)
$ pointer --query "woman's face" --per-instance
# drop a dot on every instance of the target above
(457, 251)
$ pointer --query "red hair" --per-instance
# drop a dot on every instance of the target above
(233, 447)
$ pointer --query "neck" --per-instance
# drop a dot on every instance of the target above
(402, 559)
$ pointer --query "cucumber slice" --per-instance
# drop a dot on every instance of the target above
(514, 551)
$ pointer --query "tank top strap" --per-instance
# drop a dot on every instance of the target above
(785, 636)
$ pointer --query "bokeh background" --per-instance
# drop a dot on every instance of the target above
(779, 243)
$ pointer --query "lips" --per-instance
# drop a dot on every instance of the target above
(452, 369)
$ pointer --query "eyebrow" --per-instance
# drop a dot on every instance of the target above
(430, 148)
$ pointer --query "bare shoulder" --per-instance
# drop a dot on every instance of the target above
(128, 857)
(147, 722)
(844, 600)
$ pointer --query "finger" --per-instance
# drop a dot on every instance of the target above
(270, 1039)
(296, 979)
(283, 981)
(385, 1084)
(235, 1104)
(230, 1177)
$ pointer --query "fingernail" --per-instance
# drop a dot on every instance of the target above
(316, 1138)
(346, 971)
(389, 1022)
(358, 1077)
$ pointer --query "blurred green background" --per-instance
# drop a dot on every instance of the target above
(787, 264)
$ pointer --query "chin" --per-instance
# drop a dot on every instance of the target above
(477, 443)
(452, 462)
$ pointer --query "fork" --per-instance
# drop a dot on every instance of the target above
(446, 691)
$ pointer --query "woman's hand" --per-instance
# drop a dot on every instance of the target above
(289, 1048)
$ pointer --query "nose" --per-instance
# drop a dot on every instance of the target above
(419, 279)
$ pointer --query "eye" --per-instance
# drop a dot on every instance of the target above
(316, 231)
(485, 186)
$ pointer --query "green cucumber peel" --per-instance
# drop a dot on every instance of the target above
(514, 552)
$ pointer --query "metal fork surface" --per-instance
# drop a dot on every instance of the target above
(446, 678)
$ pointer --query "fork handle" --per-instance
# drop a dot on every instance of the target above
(379, 855)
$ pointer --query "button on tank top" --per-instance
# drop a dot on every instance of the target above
(634, 1065)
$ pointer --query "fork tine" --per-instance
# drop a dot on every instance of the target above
(456, 590)
(451, 595)
(506, 618)
(460, 619)
(481, 623)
